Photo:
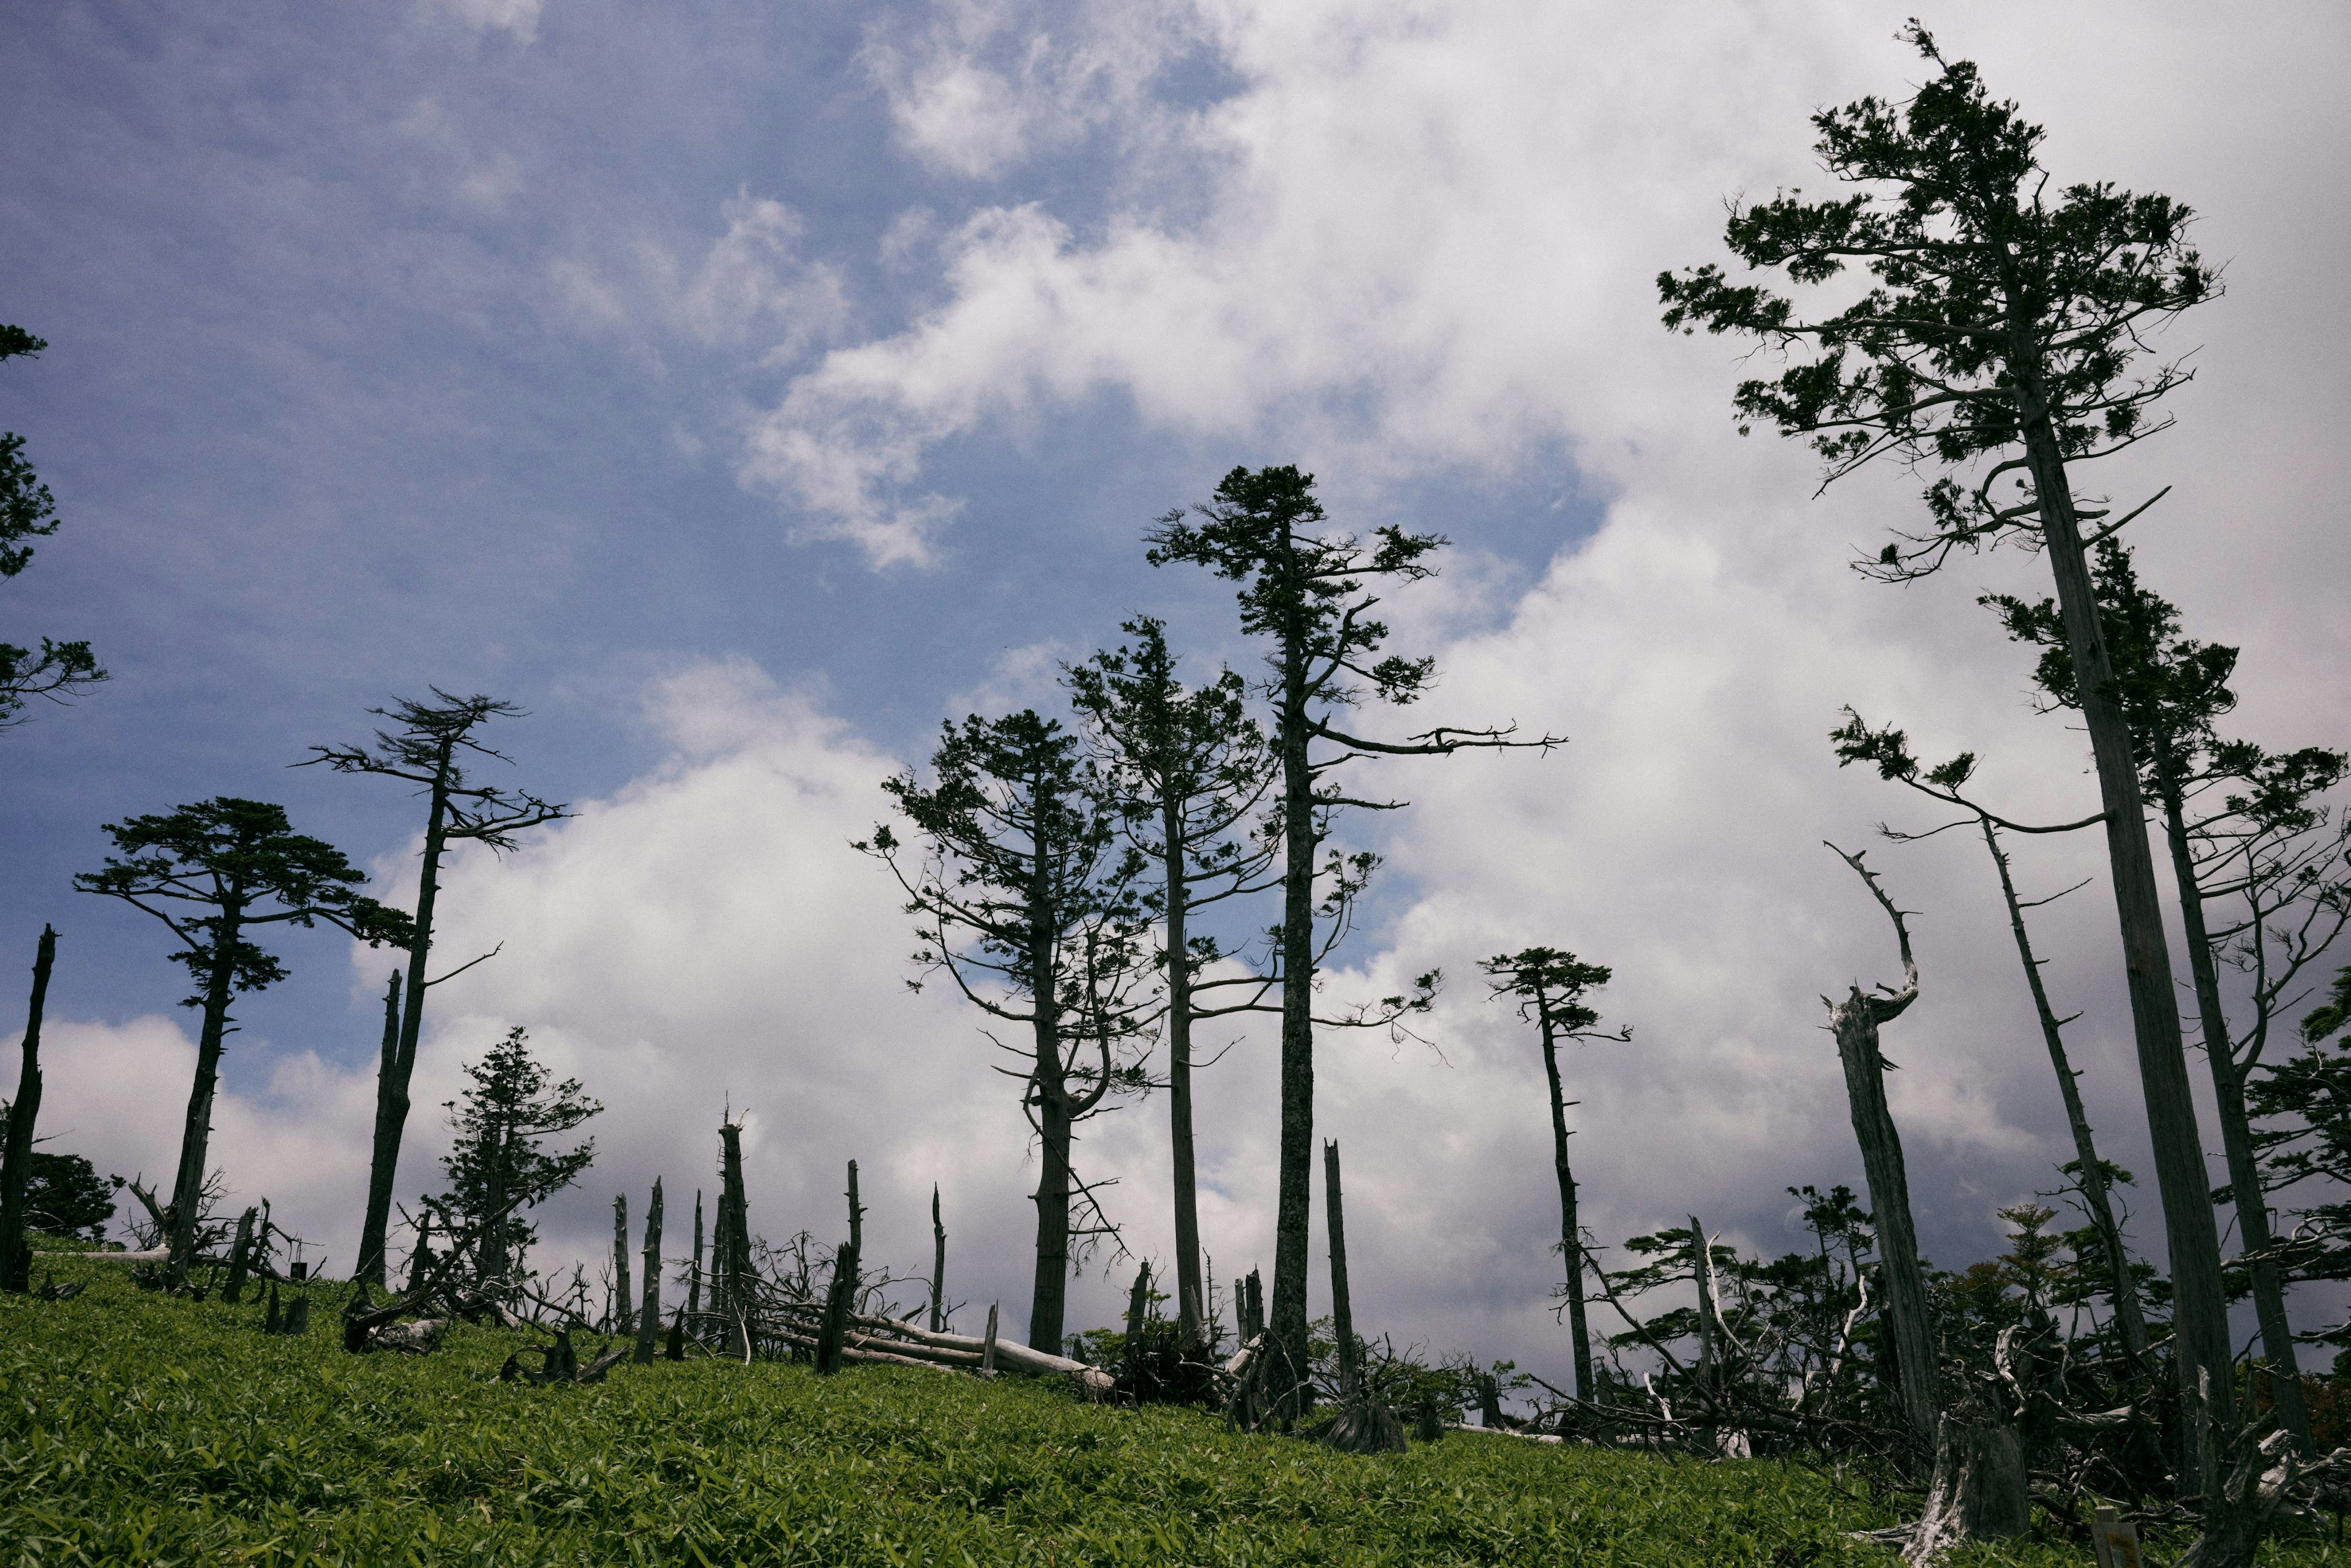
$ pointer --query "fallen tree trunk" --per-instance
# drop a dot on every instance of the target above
(1017, 1357)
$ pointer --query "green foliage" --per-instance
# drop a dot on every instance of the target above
(139, 1428)
(67, 1198)
(1549, 985)
(1989, 305)
(28, 511)
(501, 1122)
(211, 870)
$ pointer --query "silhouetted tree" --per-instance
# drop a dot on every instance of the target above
(1022, 897)
(2003, 335)
(28, 511)
(1549, 985)
(1302, 590)
(499, 1166)
(1187, 769)
(212, 872)
(431, 746)
(16, 1129)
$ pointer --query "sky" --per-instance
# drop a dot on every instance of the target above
(744, 390)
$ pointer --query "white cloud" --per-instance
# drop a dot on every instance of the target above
(517, 17)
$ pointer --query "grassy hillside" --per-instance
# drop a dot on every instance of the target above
(137, 1429)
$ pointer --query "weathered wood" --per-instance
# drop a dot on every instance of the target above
(731, 1268)
(17, 1151)
(1978, 1491)
(989, 1349)
(1855, 1022)
(649, 1310)
(1342, 1315)
(840, 1298)
(623, 1309)
(239, 1257)
(694, 1279)
(1138, 1302)
(939, 1264)
(416, 1338)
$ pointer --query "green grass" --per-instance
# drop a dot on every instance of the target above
(137, 1429)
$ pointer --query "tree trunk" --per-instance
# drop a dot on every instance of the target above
(1189, 1290)
(938, 1265)
(841, 1298)
(649, 1310)
(623, 1319)
(240, 1256)
(17, 1158)
(1049, 1290)
(1978, 1492)
(1289, 1390)
(1571, 1231)
(2095, 1191)
(988, 1345)
(2200, 1313)
(731, 1267)
(2236, 1133)
(400, 1064)
(1708, 1371)
(1343, 1314)
(694, 1279)
(195, 1137)
(1906, 1309)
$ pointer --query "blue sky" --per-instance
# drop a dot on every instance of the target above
(748, 388)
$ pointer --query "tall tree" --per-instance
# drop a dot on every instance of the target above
(1302, 590)
(2003, 334)
(212, 872)
(1187, 769)
(2244, 830)
(432, 746)
(28, 511)
(498, 1165)
(17, 1156)
(1548, 984)
(1022, 897)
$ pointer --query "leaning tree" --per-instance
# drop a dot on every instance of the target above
(2258, 865)
(1303, 591)
(2003, 335)
(1548, 986)
(1023, 897)
(212, 872)
(432, 746)
(1187, 770)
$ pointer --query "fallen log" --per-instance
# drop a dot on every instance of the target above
(1018, 1357)
(879, 1357)
(418, 1338)
(1504, 1432)
(148, 1255)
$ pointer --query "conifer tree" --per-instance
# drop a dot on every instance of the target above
(498, 1165)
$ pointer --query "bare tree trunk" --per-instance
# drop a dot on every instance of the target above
(988, 1345)
(2236, 1134)
(1570, 1230)
(392, 1085)
(1189, 1290)
(2094, 1192)
(623, 1319)
(240, 1255)
(840, 1300)
(731, 1267)
(1855, 1022)
(1978, 1492)
(2200, 1314)
(17, 1158)
(1709, 1331)
(195, 1137)
(1138, 1303)
(938, 1265)
(694, 1279)
(1343, 1314)
(649, 1310)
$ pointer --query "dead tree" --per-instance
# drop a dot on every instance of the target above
(16, 1161)
(240, 1257)
(431, 746)
(623, 1314)
(1364, 1424)
(938, 1265)
(840, 1296)
(649, 1310)
(731, 1277)
(1856, 1022)
(694, 1279)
